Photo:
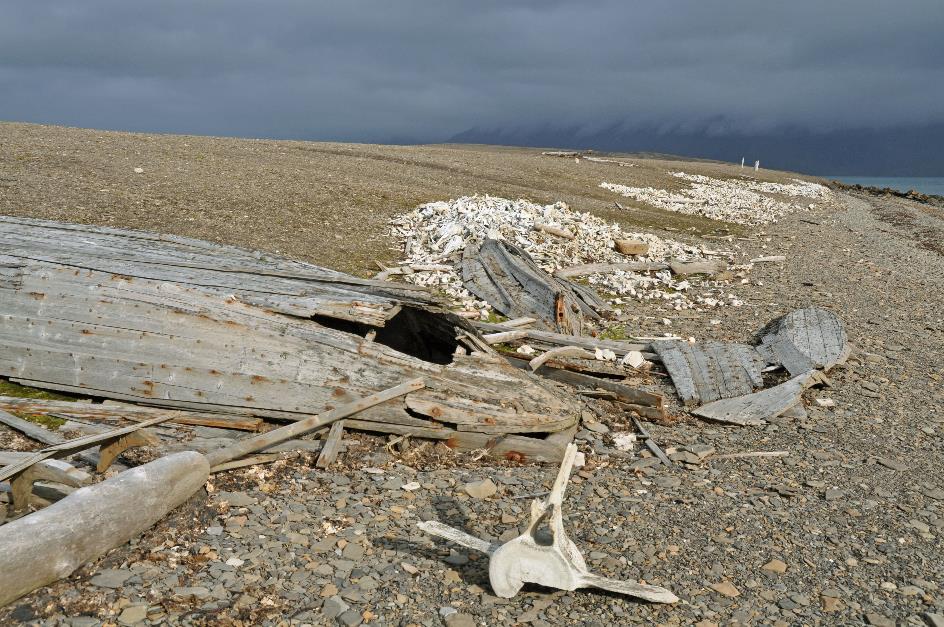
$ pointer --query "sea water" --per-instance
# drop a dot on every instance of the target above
(924, 184)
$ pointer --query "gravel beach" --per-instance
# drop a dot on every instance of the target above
(845, 529)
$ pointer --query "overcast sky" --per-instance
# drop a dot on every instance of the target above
(425, 71)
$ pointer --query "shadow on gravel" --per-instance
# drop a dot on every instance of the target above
(448, 511)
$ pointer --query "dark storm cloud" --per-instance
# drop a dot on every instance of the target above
(428, 70)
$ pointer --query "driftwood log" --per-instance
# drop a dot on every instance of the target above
(50, 544)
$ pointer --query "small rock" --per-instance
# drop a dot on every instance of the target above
(409, 487)
(894, 464)
(775, 566)
(825, 402)
(133, 614)
(830, 604)
(726, 588)
(833, 494)
(214, 531)
(878, 620)
(480, 489)
(237, 499)
(235, 562)
(409, 568)
(459, 620)
(111, 578)
(350, 618)
(334, 607)
(447, 611)
(933, 620)
(139, 170)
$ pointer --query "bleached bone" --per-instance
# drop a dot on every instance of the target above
(544, 554)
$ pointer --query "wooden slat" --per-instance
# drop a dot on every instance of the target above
(102, 411)
(332, 445)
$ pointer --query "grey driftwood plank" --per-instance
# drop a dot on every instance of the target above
(805, 339)
(332, 445)
(756, 408)
(708, 371)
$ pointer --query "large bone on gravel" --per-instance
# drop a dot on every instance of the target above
(544, 554)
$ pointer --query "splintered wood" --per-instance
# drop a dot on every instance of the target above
(506, 277)
(201, 328)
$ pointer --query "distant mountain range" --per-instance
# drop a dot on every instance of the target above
(910, 151)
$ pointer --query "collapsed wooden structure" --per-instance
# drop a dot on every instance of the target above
(185, 324)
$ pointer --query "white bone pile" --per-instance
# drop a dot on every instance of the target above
(436, 234)
(744, 201)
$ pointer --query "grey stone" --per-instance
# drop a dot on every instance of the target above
(111, 578)
(459, 620)
(350, 618)
(933, 620)
(237, 499)
(133, 614)
(480, 489)
(334, 607)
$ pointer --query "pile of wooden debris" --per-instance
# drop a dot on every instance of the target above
(215, 357)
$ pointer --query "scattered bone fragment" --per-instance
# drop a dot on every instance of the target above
(544, 554)
(560, 351)
(685, 268)
(553, 230)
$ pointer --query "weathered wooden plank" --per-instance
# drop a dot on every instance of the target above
(756, 408)
(470, 415)
(541, 338)
(805, 339)
(264, 440)
(110, 410)
(507, 278)
(622, 392)
(332, 445)
(709, 371)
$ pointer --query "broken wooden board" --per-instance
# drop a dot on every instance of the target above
(183, 326)
(112, 443)
(709, 371)
(547, 340)
(757, 408)
(506, 277)
(111, 410)
(805, 339)
(619, 391)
